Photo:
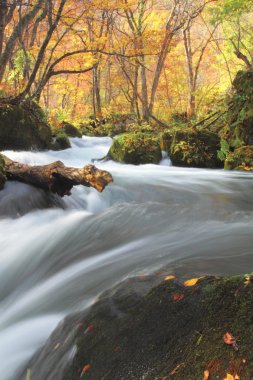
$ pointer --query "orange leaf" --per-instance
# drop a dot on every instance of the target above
(177, 296)
(229, 339)
(206, 375)
(192, 281)
(169, 278)
(86, 369)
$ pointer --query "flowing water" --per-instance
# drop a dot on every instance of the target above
(57, 256)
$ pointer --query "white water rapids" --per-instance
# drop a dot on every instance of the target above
(57, 256)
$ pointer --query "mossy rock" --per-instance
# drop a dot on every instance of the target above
(240, 159)
(239, 124)
(136, 148)
(61, 142)
(171, 332)
(2, 172)
(23, 127)
(70, 130)
(192, 148)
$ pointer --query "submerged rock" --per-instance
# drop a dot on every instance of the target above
(23, 127)
(61, 142)
(240, 159)
(136, 148)
(192, 148)
(173, 331)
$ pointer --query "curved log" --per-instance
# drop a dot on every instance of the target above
(56, 177)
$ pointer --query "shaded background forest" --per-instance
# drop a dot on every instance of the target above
(153, 58)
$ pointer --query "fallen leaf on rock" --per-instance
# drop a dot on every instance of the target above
(206, 375)
(89, 328)
(248, 280)
(231, 377)
(86, 369)
(230, 340)
(177, 296)
(192, 281)
(167, 278)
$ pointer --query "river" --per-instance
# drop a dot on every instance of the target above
(57, 256)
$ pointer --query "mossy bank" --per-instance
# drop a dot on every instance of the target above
(23, 127)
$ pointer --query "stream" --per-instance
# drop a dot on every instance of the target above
(58, 255)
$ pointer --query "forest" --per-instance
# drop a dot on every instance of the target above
(126, 204)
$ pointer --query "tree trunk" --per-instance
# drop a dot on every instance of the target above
(17, 32)
(97, 89)
(56, 177)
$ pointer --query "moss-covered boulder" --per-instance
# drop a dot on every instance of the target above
(172, 332)
(239, 124)
(240, 159)
(61, 142)
(70, 130)
(192, 148)
(136, 148)
(23, 127)
(2, 172)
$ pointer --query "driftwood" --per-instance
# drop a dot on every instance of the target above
(56, 177)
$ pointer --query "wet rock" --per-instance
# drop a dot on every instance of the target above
(70, 130)
(23, 127)
(192, 148)
(173, 330)
(2, 172)
(61, 142)
(136, 148)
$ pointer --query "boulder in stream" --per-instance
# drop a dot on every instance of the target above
(190, 147)
(136, 148)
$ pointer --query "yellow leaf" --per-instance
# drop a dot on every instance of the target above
(206, 375)
(231, 377)
(192, 281)
(169, 278)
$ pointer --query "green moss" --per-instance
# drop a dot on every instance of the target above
(23, 127)
(136, 148)
(240, 159)
(191, 148)
(70, 130)
(149, 337)
(61, 142)
(2, 172)
(239, 123)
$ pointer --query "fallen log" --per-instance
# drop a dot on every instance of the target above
(56, 177)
